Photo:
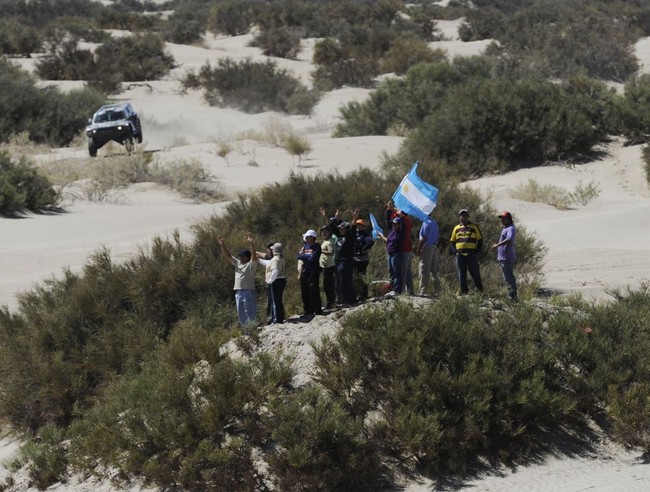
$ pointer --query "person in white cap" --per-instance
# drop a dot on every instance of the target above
(309, 256)
(274, 281)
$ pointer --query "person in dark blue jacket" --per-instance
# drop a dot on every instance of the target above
(362, 246)
(309, 256)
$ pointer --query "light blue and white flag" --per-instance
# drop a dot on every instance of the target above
(415, 197)
(375, 227)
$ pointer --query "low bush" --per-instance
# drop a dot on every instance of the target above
(130, 58)
(232, 17)
(336, 66)
(190, 419)
(251, 86)
(448, 384)
(45, 457)
(556, 196)
(283, 42)
(22, 187)
(406, 52)
(634, 108)
(17, 38)
(468, 114)
(533, 191)
(322, 446)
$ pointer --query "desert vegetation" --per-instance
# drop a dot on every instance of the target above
(252, 86)
(470, 114)
(139, 57)
(22, 187)
(139, 366)
(45, 115)
(107, 348)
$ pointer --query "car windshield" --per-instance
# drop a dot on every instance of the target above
(109, 116)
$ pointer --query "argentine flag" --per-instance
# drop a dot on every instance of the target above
(415, 197)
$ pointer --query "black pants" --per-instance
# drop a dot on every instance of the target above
(345, 282)
(329, 285)
(360, 268)
(465, 263)
(274, 292)
(310, 291)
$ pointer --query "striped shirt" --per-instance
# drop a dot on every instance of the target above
(467, 238)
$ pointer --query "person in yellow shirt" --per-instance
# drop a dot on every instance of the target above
(466, 243)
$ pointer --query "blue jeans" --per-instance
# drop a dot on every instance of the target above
(395, 263)
(507, 268)
(246, 303)
(465, 263)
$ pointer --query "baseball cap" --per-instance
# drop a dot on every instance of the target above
(360, 222)
(243, 252)
(344, 224)
(396, 220)
(310, 233)
(505, 213)
(463, 211)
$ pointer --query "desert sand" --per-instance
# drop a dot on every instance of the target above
(589, 251)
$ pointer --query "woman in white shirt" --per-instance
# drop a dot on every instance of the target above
(274, 281)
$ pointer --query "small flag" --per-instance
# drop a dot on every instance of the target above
(375, 227)
(415, 197)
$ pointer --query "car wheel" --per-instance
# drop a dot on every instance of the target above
(138, 137)
(92, 148)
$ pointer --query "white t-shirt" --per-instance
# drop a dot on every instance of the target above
(244, 274)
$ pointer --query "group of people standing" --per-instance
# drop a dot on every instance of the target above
(342, 258)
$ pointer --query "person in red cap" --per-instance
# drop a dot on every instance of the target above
(506, 253)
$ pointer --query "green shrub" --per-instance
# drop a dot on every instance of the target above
(448, 385)
(468, 114)
(251, 86)
(406, 52)
(66, 62)
(634, 109)
(321, 446)
(646, 159)
(45, 457)
(630, 410)
(297, 146)
(232, 17)
(283, 42)
(336, 66)
(22, 187)
(17, 38)
(46, 114)
(584, 193)
(189, 420)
